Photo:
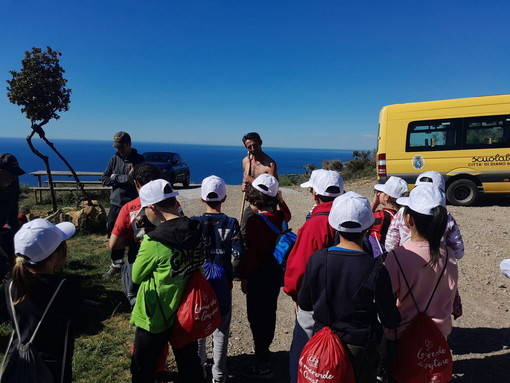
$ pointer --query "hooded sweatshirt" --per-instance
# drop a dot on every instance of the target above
(167, 257)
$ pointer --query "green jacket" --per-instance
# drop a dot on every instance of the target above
(167, 256)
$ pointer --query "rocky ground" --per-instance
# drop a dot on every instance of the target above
(481, 337)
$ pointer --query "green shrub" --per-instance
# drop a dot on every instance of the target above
(292, 179)
(332, 165)
(362, 165)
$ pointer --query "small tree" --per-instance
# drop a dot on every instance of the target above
(362, 164)
(332, 165)
(309, 168)
(40, 89)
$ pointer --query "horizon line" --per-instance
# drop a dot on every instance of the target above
(185, 143)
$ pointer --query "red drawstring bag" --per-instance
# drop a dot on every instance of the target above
(198, 314)
(324, 359)
(423, 355)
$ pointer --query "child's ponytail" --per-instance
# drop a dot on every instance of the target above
(436, 230)
(22, 279)
(431, 228)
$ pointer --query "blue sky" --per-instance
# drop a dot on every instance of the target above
(302, 73)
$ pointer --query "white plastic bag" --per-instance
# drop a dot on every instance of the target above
(504, 266)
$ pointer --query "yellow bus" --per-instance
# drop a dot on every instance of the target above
(467, 140)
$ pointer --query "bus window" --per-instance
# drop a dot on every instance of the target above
(432, 135)
(487, 132)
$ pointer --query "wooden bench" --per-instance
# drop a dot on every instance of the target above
(39, 189)
(72, 182)
(60, 185)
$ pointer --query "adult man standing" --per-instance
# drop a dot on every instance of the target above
(9, 200)
(315, 234)
(119, 175)
(255, 163)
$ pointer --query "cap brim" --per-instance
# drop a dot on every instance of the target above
(306, 184)
(67, 228)
(379, 187)
(403, 201)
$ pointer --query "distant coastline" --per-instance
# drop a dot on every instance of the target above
(204, 160)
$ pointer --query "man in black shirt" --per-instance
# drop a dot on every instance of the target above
(347, 289)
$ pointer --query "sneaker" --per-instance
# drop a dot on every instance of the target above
(112, 271)
(258, 371)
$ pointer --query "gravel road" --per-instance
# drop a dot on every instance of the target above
(481, 337)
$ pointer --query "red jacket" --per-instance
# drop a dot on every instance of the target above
(315, 234)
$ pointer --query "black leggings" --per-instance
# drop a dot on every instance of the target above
(148, 348)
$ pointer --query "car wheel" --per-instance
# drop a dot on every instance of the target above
(462, 192)
(186, 182)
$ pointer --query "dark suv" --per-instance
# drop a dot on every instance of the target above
(172, 165)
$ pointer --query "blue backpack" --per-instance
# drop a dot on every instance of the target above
(284, 242)
(217, 278)
(216, 274)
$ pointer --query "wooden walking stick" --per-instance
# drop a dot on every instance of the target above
(247, 171)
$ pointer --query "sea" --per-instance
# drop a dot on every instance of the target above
(203, 160)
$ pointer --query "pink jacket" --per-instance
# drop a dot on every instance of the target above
(422, 278)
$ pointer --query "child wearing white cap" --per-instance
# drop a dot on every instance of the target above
(398, 233)
(386, 195)
(261, 276)
(168, 255)
(41, 248)
(429, 268)
(315, 234)
(223, 236)
(334, 278)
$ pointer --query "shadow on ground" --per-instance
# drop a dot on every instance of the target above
(235, 364)
(484, 354)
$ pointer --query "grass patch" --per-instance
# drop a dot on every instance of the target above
(105, 357)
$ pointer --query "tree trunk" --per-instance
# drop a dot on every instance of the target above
(48, 170)
(79, 185)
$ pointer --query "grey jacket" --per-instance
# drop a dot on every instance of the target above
(123, 189)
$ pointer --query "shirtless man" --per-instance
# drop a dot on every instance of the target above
(254, 164)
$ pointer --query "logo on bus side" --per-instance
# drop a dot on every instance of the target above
(418, 162)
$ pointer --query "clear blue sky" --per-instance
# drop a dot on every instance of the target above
(302, 73)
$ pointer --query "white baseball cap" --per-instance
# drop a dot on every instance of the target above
(322, 179)
(436, 178)
(38, 239)
(424, 198)
(395, 187)
(309, 183)
(351, 207)
(213, 184)
(156, 191)
(266, 184)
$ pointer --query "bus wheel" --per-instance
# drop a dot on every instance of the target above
(462, 192)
